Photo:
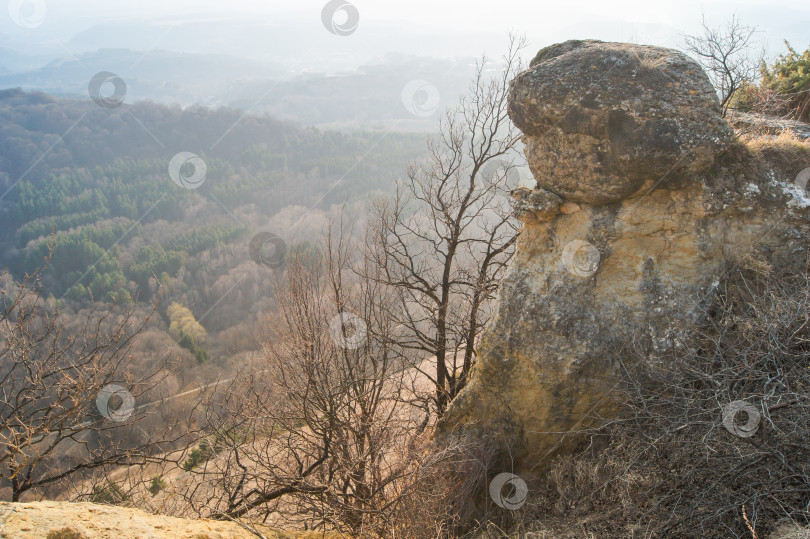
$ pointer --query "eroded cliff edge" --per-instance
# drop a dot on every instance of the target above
(643, 192)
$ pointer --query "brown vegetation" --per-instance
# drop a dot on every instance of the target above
(70, 400)
(672, 467)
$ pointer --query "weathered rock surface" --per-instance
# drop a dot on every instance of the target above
(605, 119)
(92, 521)
(642, 194)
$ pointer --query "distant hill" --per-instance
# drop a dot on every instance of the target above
(369, 97)
(157, 75)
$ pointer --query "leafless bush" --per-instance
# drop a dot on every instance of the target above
(760, 99)
(728, 56)
(318, 431)
(445, 237)
(681, 463)
(450, 499)
(69, 400)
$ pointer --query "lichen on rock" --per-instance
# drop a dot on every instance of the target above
(602, 120)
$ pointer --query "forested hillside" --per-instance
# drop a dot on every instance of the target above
(92, 185)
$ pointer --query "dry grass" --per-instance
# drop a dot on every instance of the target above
(649, 61)
(763, 158)
(669, 468)
(785, 149)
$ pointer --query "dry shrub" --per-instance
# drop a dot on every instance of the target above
(447, 500)
(669, 467)
(760, 100)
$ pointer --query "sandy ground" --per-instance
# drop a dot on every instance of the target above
(37, 519)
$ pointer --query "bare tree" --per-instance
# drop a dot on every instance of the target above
(728, 56)
(317, 430)
(68, 400)
(444, 239)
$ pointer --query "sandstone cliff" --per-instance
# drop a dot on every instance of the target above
(643, 190)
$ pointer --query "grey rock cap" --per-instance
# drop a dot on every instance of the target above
(604, 120)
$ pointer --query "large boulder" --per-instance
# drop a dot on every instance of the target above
(642, 195)
(603, 120)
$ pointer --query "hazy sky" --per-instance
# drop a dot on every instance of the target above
(468, 15)
(475, 21)
(480, 15)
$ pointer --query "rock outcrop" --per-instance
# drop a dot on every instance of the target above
(643, 191)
